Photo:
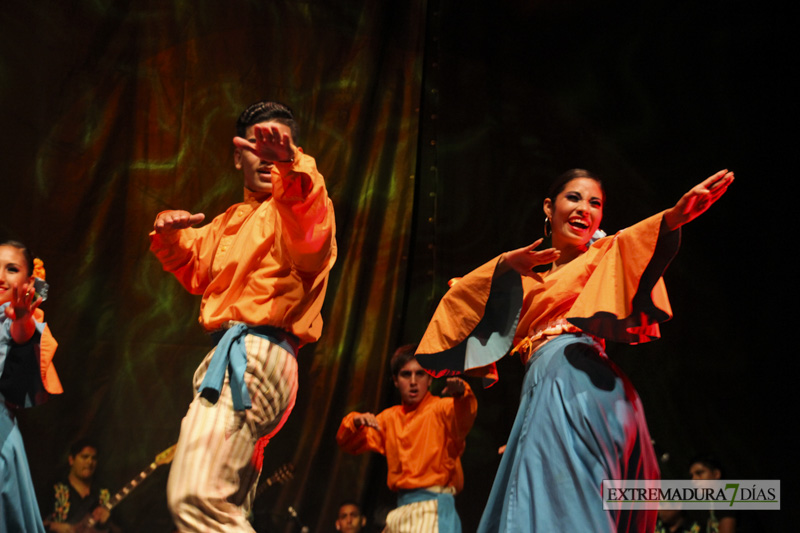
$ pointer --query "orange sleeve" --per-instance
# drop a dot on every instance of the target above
(306, 212)
(465, 409)
(458, 339)
(188, 253)
(47, 349)
(355, 440)
(625, 299)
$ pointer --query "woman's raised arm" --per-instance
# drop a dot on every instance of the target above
(695, 202)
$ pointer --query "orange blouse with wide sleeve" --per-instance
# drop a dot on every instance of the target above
(613, 291)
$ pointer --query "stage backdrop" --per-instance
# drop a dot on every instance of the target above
(437, 125)
(114, 111)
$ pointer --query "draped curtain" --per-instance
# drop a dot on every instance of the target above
(114, 111)
(438, 125)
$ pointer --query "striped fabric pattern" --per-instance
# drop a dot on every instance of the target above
(417, 517)
(213, 476)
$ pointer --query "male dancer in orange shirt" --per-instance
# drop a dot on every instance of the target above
(262, 269)
(423, 439)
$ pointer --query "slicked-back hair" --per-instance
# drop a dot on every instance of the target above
(560, 182)
(266, 111)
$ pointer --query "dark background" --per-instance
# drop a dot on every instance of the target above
(438, 126)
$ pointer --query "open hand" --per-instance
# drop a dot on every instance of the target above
(455, 388)
(273, 142)
(524, 259)
(23, 302)
(366, 419)
(695, 202)
(172, 221)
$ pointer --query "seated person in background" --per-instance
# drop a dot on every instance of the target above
(422, 439)
(674, 520)
(77, 498)
(706, 466)
(350, 519)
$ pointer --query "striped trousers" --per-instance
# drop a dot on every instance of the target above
(213, 475)
(424, 511)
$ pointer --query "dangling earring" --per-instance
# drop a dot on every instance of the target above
(548, 229)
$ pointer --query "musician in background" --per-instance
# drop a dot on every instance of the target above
(78, 497)
(350, 519)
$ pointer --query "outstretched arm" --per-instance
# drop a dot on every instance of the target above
(168, 222)
(464, 408)
(366, 419)
(299, 193)
(184, 250)
(455, 388)
(20, 310)
(695, 202)
(359, 433)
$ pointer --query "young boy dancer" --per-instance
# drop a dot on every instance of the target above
(423, 439)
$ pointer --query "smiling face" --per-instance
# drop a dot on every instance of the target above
(412, 382)
(576, 213)
(257, 172)
(13, 271)
(83, 464)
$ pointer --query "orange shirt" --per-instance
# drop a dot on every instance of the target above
(613, 291)
(45, 351)
(423, 446)
(264, 261)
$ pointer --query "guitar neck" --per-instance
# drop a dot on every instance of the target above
(118, 497)
(280, 475)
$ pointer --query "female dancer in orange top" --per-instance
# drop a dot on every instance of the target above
(580, 420)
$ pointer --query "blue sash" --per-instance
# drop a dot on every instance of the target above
(231, 356)
(449, 522)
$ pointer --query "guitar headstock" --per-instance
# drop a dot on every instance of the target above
(281, 475)
(166, 456)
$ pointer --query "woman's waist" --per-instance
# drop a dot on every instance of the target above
(529, 347)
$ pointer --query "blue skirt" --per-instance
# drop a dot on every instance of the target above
(580, 421)
(19, 510)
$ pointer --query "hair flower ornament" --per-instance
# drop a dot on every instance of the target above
(39, 284)
(599, 234)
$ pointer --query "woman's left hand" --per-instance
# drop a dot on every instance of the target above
(695, 202)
